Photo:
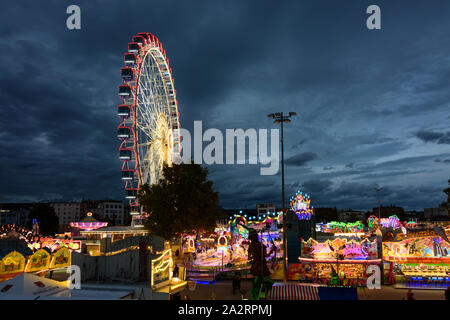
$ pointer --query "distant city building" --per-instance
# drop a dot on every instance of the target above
(414, 214)
(388, 211)
(67, 212)
(434, 212)
(14, 213)
(351, 215)
(14, 216)
(264, 208)
(113, 210)
(326, 214)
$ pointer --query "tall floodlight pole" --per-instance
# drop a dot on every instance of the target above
(378, 190)
(279, 118)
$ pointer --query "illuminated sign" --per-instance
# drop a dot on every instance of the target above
(424, 246)
(161, 273)
(342, 227)
(55, 244)
(417, 234)
(349, 249)
(300, 204)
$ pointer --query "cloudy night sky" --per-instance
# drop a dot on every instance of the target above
(373, 106)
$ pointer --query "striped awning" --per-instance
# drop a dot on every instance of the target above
(292, 291)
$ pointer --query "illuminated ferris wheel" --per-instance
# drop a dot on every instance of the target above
(150, 129)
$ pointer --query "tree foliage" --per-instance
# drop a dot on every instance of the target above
(46, 217)
(326, 214)
(182, 202)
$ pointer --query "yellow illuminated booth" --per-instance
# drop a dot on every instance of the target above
(61, 259)
(163, 284)
(12, 265)
(419, 257)
(40, 262)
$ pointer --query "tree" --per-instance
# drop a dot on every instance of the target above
(446, 205)
(352, 217)
(326, 214)
(182, 202)
(46, 217)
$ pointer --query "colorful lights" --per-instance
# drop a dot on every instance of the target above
(391, 222)
(342, 227)
(350, 249)
(89, 223)
(300, 204)
(161, 273)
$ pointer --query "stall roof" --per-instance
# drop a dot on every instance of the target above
(27, 286)
(117, 229)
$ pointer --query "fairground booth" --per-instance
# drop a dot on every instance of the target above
(420, 257)
(338, 261)
(164, 284)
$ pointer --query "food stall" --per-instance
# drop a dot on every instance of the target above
(419, 257)
(341, 258)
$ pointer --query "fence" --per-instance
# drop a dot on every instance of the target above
(124, 266)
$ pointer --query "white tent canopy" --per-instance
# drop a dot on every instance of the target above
(27, 286)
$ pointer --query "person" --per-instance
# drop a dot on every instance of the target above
(409, 295)
(176, 296)
(262, 283)
(237, 283)
(175, 271)
(360, 286)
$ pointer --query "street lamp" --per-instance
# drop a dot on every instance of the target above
(378, 190)
(280, 118)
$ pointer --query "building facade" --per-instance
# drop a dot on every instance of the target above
(15, 213)
(66, 211)
(434, 212)
(112, 210)
(264, 208)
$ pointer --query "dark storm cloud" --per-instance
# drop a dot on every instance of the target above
(317, 186)
(301, 159)
(443, 161)
(298, 144)
(431, 136)
(358, 95)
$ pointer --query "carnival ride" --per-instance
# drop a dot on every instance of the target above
(227, 247)
(149, 129)
(89, 223)
(301, 205)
